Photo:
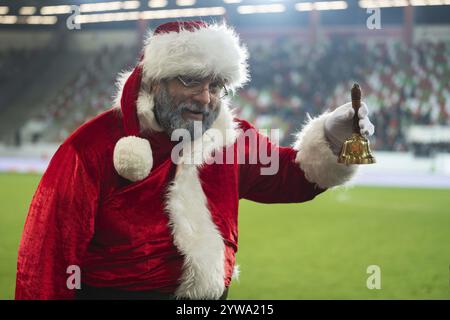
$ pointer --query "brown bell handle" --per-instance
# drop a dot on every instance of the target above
(356, 103)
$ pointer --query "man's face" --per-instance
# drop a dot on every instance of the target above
(178, 106)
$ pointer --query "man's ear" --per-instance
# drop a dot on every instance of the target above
(151, 87)
(155, 87)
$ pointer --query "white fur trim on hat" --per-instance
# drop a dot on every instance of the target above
(133, 158)
(316, 158)
(121, 78)
(214, 50)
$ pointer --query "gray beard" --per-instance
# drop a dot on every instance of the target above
(169, 115)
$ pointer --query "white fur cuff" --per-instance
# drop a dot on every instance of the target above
(316, 158)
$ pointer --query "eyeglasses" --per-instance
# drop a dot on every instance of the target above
(216, 89)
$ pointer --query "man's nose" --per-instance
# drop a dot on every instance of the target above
(203, 96)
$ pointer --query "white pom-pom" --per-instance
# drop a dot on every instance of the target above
(133, 158)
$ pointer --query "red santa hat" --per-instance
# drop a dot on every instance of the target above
(175, 48)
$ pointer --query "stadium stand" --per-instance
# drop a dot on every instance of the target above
(402, 85)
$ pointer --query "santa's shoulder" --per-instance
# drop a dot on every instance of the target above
(97, 137)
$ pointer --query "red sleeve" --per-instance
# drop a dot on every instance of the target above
(285, 184)
(58, 228)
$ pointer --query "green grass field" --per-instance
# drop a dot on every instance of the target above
(315, 250)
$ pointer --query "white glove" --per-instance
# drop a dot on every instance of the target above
(339, 125)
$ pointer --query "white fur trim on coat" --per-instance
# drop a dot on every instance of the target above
(214, 50)
(316, 158)
(195, 234)
(133, 158)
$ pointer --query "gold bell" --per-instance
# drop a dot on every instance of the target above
(356, 149)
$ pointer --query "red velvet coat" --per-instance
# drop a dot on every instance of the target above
(119, 233)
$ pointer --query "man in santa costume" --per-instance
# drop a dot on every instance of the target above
(137, 223)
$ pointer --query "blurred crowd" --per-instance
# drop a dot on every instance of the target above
(290, 79)
(89, 92)
(402, 86)
(18, 69)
